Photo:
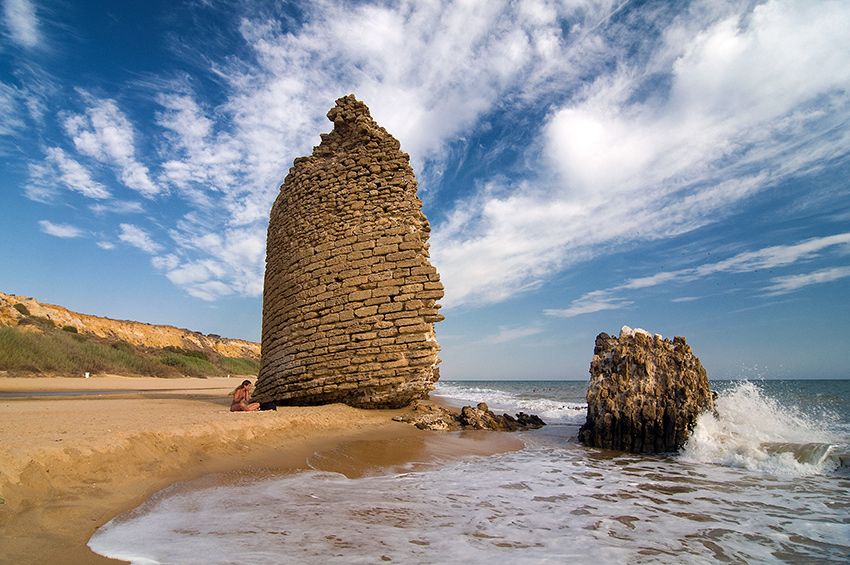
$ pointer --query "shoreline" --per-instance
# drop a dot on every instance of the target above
(71, 462)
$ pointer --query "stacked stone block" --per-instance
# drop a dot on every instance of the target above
(350, 297)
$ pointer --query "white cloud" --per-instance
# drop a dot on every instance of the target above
(210, 290)
(107, 245)
(726, 106)
(65, 231)
(117, 207)
(22, 23)
(105, 133)
(428, 71)
(765, 259)
(165, 262)
(596, 301)
(743, 82)
(139, 238)
(205, 164)
(10, 110)
(774, 256)
(195, 272)
(507, 334)
(792, 283)
(643, 136)
(59, 169)
(234, 258)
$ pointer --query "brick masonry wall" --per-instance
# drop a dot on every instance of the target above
(350, 297)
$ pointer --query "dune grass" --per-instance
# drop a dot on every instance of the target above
(240, 365)
(64, 352)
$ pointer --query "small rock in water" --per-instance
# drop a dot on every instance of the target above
(426, 416)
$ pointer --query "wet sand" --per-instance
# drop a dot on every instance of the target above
(74, 453)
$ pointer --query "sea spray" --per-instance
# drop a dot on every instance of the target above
(552, 502)
(752, 430)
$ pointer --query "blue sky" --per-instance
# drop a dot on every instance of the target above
(585, 164)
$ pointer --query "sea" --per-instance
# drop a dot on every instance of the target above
(764, 480)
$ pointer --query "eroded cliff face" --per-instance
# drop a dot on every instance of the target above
(645, 393)
(19, 310)
(350, 297)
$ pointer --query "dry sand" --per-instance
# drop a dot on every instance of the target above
(74, 452)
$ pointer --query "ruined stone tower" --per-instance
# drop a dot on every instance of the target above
(350, 298)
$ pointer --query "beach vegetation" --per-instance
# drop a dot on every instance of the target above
(69, 329)
(38, 321)
(240, 365)
(188, 364)
(22, 309)
(187, 352)
(58, 351)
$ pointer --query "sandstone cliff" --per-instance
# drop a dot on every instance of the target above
(645, 393)
(350, 298)
(19, 310)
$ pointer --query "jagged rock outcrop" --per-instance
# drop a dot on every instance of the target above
(427, 416)
(350, 297)
(645, 393)
(22, 311)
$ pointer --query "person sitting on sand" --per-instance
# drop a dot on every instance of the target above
(242, 399)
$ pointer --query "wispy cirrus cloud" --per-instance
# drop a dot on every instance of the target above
(21, 23)
(429, 72)
(117, 207)
(596, 301)
(765, 259)
(58, 169)
(647, 122)
(663, 143)
(11, 120)
(139, 238)
(792, 283)
(65, 231)
(104, 133)
(512, 333)
(681, 299)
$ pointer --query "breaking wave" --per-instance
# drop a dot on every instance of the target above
(754, 431)
(551, 404)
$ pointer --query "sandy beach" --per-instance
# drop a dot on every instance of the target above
(74, 452)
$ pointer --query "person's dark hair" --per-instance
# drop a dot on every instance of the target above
(246, 382)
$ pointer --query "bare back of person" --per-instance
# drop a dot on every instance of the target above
(242, 400)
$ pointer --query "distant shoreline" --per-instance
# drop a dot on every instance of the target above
(70, 463)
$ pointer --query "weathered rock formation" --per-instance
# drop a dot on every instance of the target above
(645, 393)
(22, 310)
(350, 298)
(427, 416)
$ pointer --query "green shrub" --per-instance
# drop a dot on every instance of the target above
(22, 309)
(188, 364)
(65, 352)
(240, 365)
(187, 352)
(122, 346)
(38, 321)
(69, 329)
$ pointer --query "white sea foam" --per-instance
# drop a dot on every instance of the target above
(549, 503)
(752, 486)
(753, 431)
(550, 410)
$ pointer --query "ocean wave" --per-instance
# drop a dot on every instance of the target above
(553, 411)
(754, 431)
